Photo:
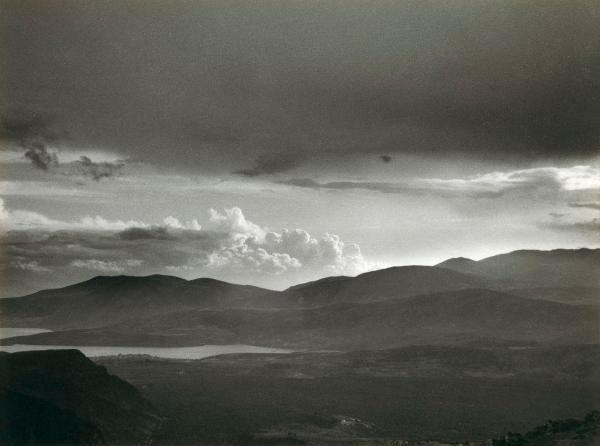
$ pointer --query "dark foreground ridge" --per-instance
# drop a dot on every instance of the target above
(569, 431)
(61, 397)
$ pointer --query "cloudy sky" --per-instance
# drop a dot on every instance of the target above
(275, 142)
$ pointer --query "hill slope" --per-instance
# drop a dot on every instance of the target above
(61, 397)
(391, 307)
(556, 268)
(390, 283)
(456, 317)
(110, 299)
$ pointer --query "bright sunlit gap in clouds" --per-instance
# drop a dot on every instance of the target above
(422, 225)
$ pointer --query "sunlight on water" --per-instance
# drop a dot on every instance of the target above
(199, 352)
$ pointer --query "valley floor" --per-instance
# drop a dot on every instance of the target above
(388, 397)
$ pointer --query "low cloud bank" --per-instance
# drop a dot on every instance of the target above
(488, 185)
(39, 251)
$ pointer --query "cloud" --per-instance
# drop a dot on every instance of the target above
(231, 248)
(21, 263)
(289, 251)
(234, 221)
(106, 266)
(26, 126)
(246, 260)
(493, 80)
(173, 222)
(146, 233)
(581, 226)
(96, 170)
(40, 157)
(489, 185)
(589, 205)
(271, 164)
(33, 133)
(328, 252)
(28, 220)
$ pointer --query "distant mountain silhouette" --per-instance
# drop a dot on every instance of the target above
(61, 397)
(105, 299)
(556, 268)
(111, 299)
(512, 297)
(458, 264)
(473, 316)
(384, 284)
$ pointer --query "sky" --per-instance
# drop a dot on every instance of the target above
(272, 142)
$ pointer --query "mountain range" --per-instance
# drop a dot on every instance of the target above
(519, 297)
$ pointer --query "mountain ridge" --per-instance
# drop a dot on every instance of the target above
(407, 300)
(471, 316)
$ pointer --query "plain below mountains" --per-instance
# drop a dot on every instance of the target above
(520, 297)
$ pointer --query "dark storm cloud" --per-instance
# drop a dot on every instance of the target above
(236, 86)
(40, 157)
(32, 132)
(23, 126)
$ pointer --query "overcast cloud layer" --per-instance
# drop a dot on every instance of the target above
(260, 87)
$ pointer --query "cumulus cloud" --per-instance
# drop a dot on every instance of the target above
(489, 185)
(173, 222)
(234, 221)
(231, 248)
(289, 251)
(328, 252)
